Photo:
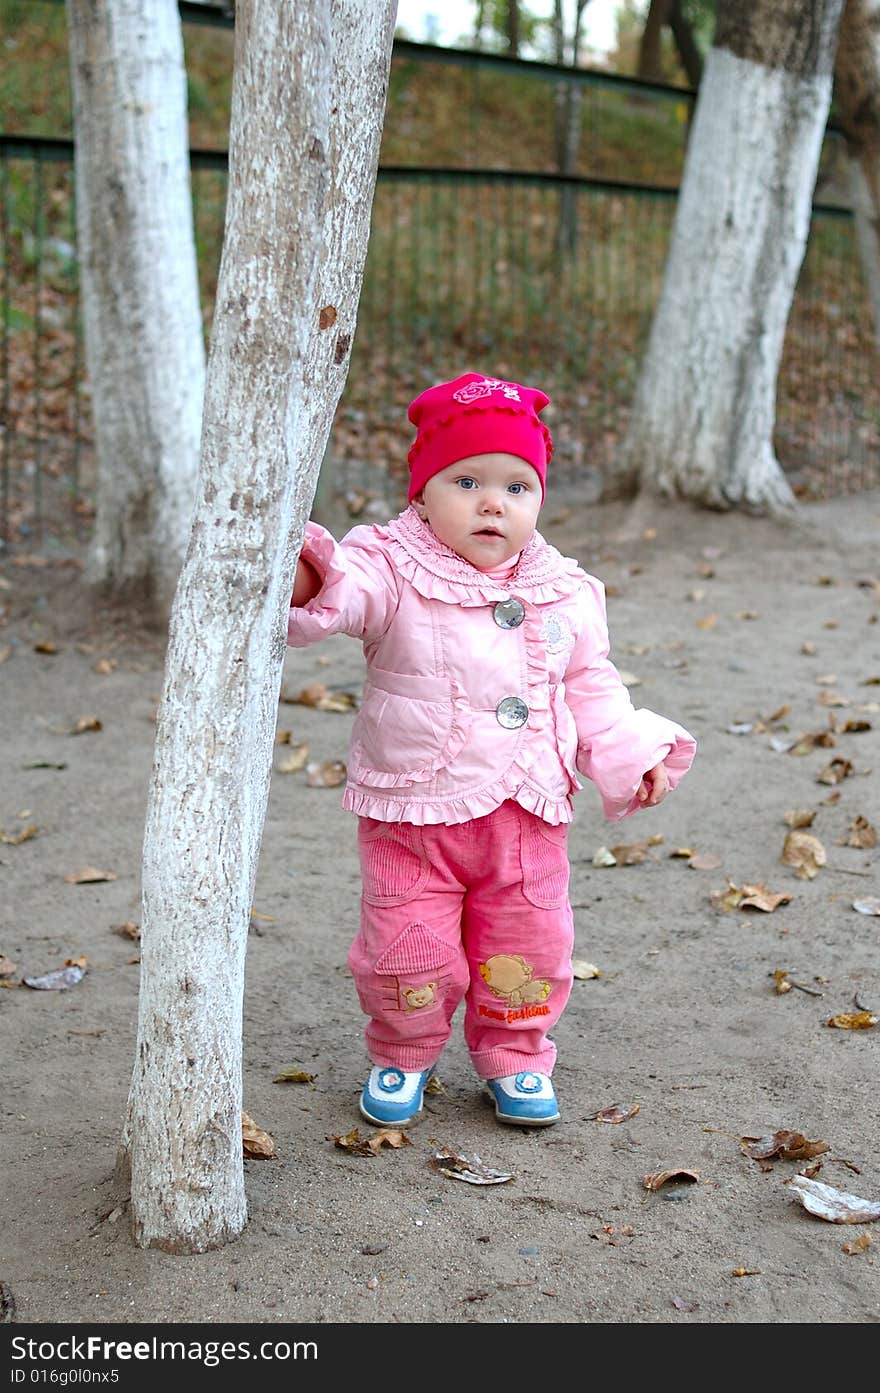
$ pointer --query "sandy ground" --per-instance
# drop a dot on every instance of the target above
(711, 615)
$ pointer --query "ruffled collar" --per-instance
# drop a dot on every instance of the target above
(438, 572)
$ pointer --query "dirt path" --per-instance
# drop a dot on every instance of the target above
(683, 1021)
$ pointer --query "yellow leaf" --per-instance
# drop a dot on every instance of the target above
(295, 761)
(327, 774)
(295, 1076)
(853, 1020)
(16, 838)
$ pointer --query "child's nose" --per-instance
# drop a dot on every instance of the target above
(493, 501)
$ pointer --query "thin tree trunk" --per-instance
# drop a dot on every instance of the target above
(688, 52)
(142, 320)
(309, 91)
(857, 94)
(568, 127)
(651, 46)
(703, 418)
(513, 28)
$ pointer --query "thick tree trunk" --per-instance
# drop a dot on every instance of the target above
(857, 94)
(143, 326)
(702, 423)
(308, 101)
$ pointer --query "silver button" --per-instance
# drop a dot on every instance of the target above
(509, 613)
(511, 712)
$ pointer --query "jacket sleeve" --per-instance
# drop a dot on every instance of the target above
(617, 744)
(359, 594)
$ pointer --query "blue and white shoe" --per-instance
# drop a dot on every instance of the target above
(526, 1099)
(392, 1097)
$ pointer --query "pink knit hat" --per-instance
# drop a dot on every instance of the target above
(476, 415)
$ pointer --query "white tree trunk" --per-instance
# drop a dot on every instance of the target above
(703, 417)
(309, 92)
(142, 320)
(857, 94)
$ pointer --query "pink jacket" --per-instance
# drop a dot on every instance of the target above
(435, 740)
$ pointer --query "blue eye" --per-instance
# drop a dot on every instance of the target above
(516, 488)
(467, 483)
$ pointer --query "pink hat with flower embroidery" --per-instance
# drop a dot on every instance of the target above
(477, 415)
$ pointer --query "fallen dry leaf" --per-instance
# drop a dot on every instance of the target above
(603, 857)
(128, 929)
(833, 1205)
(46, 646)
(869, 906)
(829, 698)
(327, 774)
(747, 614)
(860, 834)
(704, 861)
(292, 763)
(684, 851)
(746, 1272)
(319, 696)
(257, 1144)
(85, 723)
(834, 772)
(750, 897)
(788, 1146)
(658, 1178)
(434, 1086)
(88, 875)
(5, 650)
(853, 1020)
(632, 855)
(104, 666)
(388, 1136)
(858, 1245)
(468, 1168)
(805, 852)
(295, 1076)
(69, 975)
(7, 966)
(808, 647)
(583, 970)
(16, 838)
(799, 817)
(614, 1113)
(370, 1146)
(783, 984)
(708, 621)
(854, 727)
(681, 1305)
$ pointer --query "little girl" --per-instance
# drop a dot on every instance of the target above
(488, 686)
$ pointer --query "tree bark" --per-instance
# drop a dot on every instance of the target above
(309, 91)
(142, 320)
(703, 417)
(568, 125)
(513, 28)
(857, 95)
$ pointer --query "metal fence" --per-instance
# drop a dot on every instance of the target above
(465, 270)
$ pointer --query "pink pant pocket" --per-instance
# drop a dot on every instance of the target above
(544, 863)
(394, 866)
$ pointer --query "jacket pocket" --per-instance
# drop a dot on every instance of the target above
(407, 729)
(394, 864)
(544, 863)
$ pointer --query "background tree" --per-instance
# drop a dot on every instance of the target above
(142, 320)
(309, 90)
(704, 410)
(857, 100)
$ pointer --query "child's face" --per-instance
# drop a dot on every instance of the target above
(484, 507)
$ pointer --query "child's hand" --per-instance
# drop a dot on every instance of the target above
(306, 585)
(654, 786)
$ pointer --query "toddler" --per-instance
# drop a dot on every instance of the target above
(488, 686)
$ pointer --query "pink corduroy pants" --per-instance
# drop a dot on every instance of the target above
(478, 911)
